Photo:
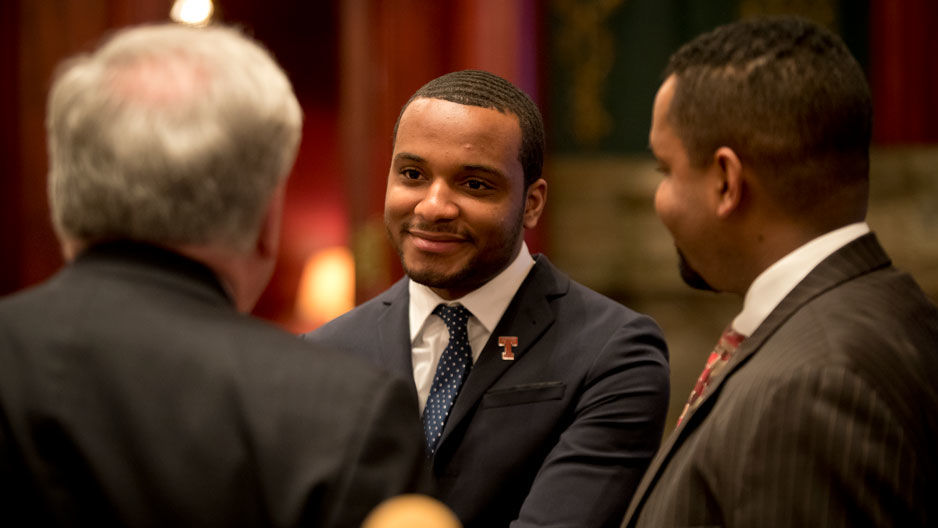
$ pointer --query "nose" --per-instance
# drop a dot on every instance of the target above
(658, 200)
(437, 203)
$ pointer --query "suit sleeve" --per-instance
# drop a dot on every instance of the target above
(824, 449)
(591, 473)
(387, 456)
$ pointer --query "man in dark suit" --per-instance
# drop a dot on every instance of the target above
(132, 391)
(819, 406)
(565, 391)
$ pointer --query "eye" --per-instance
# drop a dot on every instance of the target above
(478, 185)
(660, 166)
(411, 174)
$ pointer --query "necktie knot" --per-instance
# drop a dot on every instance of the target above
(721, 355)
(455, 316)
(729, 342)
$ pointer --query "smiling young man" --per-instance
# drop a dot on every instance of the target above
(542, 400)
(456, 204)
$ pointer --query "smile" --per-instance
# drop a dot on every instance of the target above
(433, 242)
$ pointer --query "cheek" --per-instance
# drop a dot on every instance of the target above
(398, 200)
(664, 203)
(389, 195)
(490, 224)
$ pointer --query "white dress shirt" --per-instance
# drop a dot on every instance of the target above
(428, 333)
(779, 279)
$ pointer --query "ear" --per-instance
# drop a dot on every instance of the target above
(250, 271)
(730, 180)
(70, 247)
(534, 201)
(268, 239)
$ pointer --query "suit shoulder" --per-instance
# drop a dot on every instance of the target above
(558, 284)
(263, 342)
(594, 297)
(584, 315)
(25, 302)
(878, 327)
(880, 305)
(357, 321)
(589, 303)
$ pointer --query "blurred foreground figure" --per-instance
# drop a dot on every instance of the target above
(132, 391)
(819, 406)
(411, 511)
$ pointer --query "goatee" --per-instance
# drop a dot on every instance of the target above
(690, 276)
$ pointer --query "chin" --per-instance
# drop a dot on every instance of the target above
(691, 276)
(435, 278)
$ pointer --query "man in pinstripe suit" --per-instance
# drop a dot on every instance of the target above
(826, 414)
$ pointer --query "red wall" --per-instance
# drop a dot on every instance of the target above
(354, 63)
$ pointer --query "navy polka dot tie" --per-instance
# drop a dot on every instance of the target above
(450, 373)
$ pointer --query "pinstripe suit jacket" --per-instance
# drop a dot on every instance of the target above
(826, 416)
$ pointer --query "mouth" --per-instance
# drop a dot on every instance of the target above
(434, 241)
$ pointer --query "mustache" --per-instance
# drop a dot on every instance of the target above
(438, 228)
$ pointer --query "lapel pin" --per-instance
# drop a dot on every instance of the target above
(507, 342)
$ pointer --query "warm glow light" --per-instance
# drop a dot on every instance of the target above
(327, 286)
(192, 12)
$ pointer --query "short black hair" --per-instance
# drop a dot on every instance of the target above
(487, 90)
(785, 94)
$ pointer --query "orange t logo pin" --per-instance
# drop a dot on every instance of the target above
(507, 342)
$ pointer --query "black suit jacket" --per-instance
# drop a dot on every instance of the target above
(551, 438)
(133, 394)
(826, 416)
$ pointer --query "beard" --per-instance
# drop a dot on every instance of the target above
(462, 278)
(691, 276)
(487, 262)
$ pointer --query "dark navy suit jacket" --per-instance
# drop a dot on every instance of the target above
(559, 435)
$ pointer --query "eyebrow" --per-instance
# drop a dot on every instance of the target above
(407, 156)
(485, 169)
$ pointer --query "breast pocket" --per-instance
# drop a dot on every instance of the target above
(527, 393)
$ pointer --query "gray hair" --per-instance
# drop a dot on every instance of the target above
(171, 135)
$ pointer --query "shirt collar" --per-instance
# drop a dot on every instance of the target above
(779, 279)
(487, 303)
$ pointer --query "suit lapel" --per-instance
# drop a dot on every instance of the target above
(859, 257)
(527, 317)
(394, 331)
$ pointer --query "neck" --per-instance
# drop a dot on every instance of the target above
(770, 243)
(243, 275)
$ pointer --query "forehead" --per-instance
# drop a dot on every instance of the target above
(662, 129)
(439, 124)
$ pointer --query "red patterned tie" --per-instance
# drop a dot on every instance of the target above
(721, 354)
